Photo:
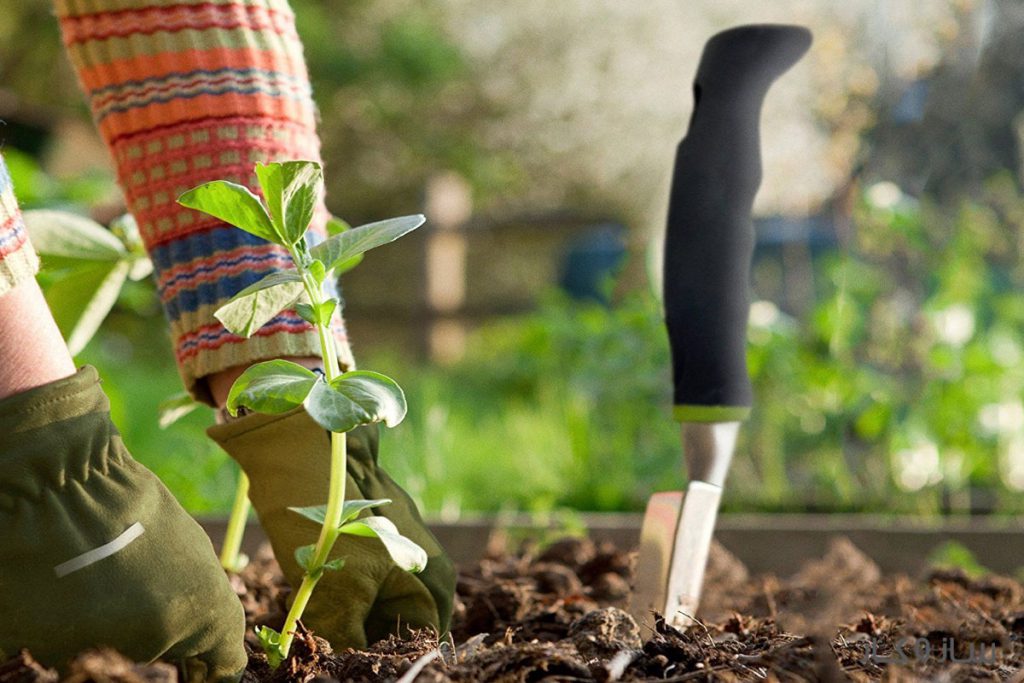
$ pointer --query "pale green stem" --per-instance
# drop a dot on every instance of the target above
(229, 552)
(328, 535)
(339, 473)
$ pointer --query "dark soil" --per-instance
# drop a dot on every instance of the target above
(554, 614)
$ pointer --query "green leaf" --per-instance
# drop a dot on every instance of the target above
(65, 239)
(318, 271)
(174, 408)
(316, 314)
(356, 398)
(353, 507)
(251, 308)
(340, 248)
(234, 204)
(304, 556)
(336, 226)
(315, 513)
(404, 552)
(326, 310)
(275, 386)
(81, 298)
(348, 265)
(291, 189)
(270, 640)
(335, 564)
(306, 312)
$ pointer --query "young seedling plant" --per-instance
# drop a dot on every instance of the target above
(338, 401)
(181, 404)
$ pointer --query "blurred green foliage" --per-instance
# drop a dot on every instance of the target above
(398, 103)
(37, 189)
(565, 407)
(900, 391)
(953, 556)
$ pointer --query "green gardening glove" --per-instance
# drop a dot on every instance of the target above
(94, 551)
(287, 460)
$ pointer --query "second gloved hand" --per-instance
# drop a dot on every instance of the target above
(287, 460)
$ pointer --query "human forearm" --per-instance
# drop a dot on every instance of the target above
(183, 93)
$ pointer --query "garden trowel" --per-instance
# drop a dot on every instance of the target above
(709, 244)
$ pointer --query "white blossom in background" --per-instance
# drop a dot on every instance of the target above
(884, 195)
(918, 466)
(764, 314)
(1001, 419)
(1006, 350)
(1011, 462)
(954, 325)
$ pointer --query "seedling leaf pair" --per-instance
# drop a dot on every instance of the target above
(317, 314)
(406, 554)
(291, 189)
(350, 509)
(356, 398)
(270, 640)
(344, 403)
(305, 556)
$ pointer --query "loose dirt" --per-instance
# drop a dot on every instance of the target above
(555, 614)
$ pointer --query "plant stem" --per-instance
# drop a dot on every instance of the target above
(328, 535)
(229, 552)
(339, 473)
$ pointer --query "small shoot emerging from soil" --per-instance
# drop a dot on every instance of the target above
(338, 401)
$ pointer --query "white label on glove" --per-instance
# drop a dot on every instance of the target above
(97, 554)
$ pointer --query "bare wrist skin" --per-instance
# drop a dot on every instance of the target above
(32, 350)
(220, 382)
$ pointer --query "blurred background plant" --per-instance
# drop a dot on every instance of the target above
(886, 333)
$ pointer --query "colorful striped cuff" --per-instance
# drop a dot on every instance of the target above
(18, 260)
(185, 92)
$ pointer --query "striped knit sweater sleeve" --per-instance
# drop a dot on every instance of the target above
(18, 261)
(183, 92)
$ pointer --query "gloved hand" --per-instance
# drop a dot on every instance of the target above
(95, 551)
(287, 460)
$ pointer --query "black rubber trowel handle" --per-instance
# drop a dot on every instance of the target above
(710, 239)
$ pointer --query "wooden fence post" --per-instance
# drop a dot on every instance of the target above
(449, 205)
